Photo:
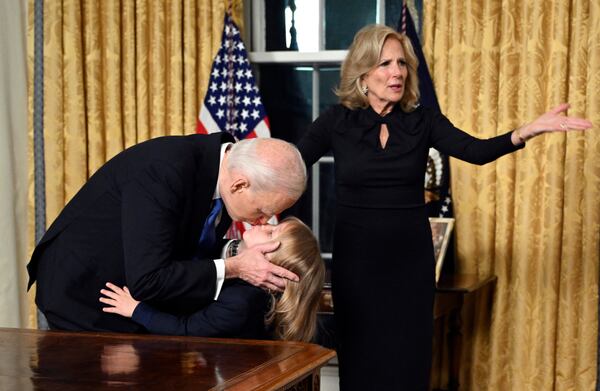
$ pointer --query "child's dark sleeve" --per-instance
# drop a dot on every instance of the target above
(238, 312)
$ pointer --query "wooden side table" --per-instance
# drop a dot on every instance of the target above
(449, 298)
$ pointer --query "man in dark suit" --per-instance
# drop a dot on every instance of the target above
(138, 219)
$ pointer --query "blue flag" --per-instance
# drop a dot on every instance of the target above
(437, 176)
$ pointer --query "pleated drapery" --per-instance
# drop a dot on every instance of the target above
(116, 73)
(531, 218)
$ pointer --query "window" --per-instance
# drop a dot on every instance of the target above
(297, 49)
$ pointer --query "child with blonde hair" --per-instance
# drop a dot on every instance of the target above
(243, 310)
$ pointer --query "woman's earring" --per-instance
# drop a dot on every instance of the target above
(364, 89)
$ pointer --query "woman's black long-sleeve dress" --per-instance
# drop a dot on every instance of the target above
(383, 264)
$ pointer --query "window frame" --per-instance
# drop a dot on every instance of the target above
(254, 12)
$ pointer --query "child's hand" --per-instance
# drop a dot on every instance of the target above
(119, 299)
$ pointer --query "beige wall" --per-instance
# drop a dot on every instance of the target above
(13, 162)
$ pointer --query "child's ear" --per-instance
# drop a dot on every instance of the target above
(270, 255)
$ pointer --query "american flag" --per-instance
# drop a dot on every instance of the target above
(232, 103)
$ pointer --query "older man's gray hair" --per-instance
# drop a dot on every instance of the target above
(271, 164)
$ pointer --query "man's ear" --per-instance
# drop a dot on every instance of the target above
(239, 184)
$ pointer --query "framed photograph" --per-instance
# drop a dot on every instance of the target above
(441, 229)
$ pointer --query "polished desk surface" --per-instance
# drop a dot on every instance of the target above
(54, 360)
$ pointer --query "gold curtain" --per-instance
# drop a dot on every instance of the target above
(531, 218)
(118, 72)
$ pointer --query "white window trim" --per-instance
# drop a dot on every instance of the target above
(254, 17)
(300, 58)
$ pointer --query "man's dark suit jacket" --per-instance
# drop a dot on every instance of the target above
(136, 222)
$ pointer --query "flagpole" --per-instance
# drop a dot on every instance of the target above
(230, 77)
(404, 8)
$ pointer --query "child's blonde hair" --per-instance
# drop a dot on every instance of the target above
(293, 315)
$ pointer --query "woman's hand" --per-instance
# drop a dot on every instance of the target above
(552, 121)
(120, 300)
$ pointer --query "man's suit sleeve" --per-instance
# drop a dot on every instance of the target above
(238, 311)
(153, 205)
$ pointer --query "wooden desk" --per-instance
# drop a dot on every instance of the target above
(51, 360)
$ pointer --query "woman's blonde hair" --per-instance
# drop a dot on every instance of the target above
(363, 55)
(293, 315)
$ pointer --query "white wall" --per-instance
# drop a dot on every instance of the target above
(13, 162)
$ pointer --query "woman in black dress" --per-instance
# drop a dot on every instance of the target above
(383, 264)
